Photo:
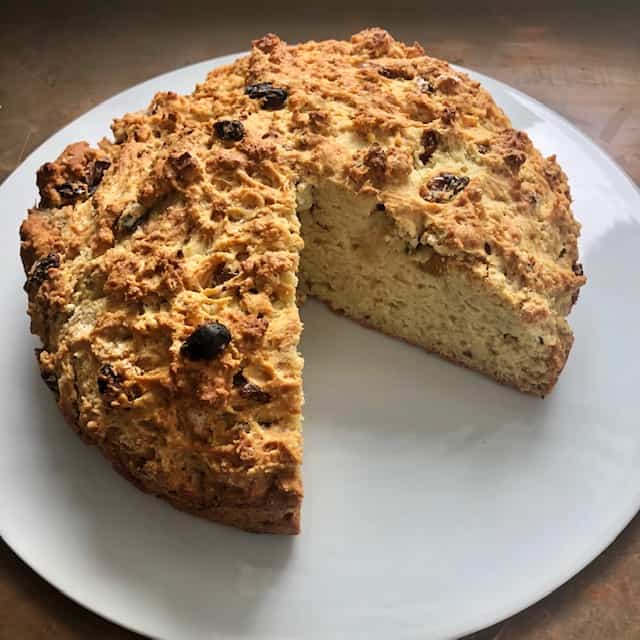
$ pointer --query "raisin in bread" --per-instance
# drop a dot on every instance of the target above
(163, 266)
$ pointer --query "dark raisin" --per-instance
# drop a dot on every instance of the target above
(515, 160)
(257, 90)
(183, 167)
(253, 392)
(272, 98)
(229, 130)
(40, 271)
(467, 354)
(206, 342)
(540, 339)
(396, 73)
(239, 380)
(487, 248)
(380, 206)
(135, 391)
(444, 187)
(376, 162)
(448, 115)
(221, 275)
(577, 269)
(429, 144)
(72, 191)
(99, 167)
(275, 100)
(108, 379)
(249, 390)
(563, 251)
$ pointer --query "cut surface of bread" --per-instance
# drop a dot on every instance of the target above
(163, 266)
(354, 261)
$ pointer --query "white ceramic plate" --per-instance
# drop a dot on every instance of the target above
(437, 502)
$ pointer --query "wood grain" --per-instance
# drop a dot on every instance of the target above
(580, 58)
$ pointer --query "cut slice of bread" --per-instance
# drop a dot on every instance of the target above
(355, 260)
(162, 267)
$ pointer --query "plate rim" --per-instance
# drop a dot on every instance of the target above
(500, 613)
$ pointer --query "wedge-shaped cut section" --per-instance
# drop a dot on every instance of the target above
(356, 260)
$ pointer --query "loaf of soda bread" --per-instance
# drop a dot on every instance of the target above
(163, 266)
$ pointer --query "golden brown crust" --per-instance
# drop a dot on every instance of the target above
(277, 511)
(188, 218)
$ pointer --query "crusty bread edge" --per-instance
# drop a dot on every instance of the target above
(276, 512)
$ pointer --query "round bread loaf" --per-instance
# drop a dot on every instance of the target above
(163, 266)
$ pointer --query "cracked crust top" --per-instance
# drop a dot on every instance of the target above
(188, 218)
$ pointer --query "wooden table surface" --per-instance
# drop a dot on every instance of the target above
(580, 58)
